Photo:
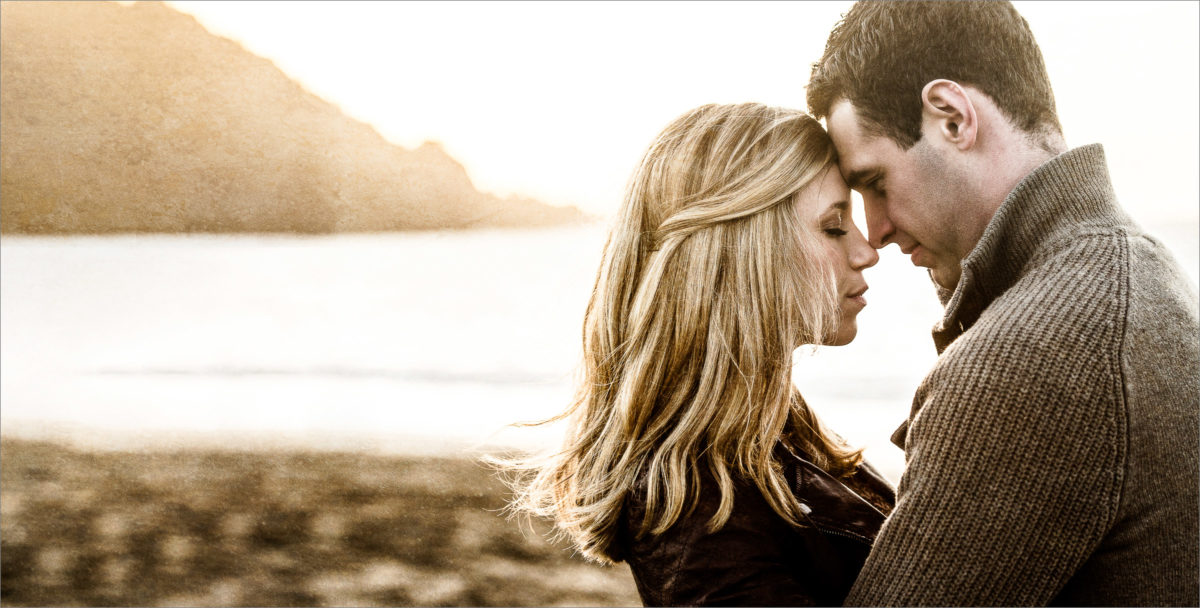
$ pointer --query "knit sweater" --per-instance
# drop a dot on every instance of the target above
(1051, 454)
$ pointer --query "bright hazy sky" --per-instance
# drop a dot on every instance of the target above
(558, 100)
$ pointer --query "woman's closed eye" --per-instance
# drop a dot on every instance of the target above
(833, 226)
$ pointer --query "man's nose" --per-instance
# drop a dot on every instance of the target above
(879, 227)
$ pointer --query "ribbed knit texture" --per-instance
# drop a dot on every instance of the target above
(1052, 451)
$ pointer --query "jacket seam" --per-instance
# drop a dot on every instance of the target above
(1122, 417)
(1070, 241)
(684, 546)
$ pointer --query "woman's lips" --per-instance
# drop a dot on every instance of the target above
(857, 296)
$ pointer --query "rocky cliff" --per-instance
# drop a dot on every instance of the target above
(134, 118)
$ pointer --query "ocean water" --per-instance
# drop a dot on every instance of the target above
(430, 342)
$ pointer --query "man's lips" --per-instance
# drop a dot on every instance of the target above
(913, 252)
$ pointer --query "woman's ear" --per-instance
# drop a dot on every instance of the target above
(946, 108)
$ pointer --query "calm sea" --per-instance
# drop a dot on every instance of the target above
(401, 343)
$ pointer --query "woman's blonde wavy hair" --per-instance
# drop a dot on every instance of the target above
(707, 286)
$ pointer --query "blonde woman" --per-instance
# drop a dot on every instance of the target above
(690, 454)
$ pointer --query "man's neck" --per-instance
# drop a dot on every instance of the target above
(1011, 157)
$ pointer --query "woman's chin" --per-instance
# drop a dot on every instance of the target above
(845, 334)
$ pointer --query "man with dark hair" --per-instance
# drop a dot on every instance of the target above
(1052, 452)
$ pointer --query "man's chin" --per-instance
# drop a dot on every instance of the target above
(945, 278)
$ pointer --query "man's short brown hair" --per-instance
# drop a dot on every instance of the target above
(881, 54)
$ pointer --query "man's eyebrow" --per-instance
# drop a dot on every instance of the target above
(856, 178)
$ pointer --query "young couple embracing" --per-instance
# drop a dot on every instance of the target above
(1051, 453)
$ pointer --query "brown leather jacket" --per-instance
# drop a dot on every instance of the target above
(757, 558)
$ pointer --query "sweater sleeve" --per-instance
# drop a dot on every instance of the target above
(1015, 452)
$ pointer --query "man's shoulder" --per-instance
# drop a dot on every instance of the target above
(1073, 307)
(1155, 273)
(1077, 259)
(1088, 281)
(1078, 285)
(1103, 251)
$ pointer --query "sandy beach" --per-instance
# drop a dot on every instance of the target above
(296, 528)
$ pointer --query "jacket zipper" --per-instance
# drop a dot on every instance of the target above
(851, 535)
(826, 530)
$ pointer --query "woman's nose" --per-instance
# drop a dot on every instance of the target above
(862, 254)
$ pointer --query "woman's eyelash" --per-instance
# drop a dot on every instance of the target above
(836, 229)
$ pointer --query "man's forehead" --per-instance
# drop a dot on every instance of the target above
(850, 140)
(842, 111)
(845, 126)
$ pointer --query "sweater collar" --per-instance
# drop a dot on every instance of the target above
(1069, 190)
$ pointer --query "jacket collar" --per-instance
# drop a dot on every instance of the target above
(1069, 190)
(835, 506)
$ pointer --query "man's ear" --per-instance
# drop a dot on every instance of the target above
(946, 107)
